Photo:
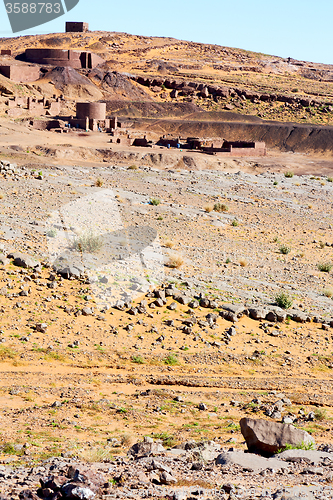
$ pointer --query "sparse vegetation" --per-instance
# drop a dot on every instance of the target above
(320, 414)
(283, 300)
(169, 244)
(99, 182)
(52, 233)
(235, 223)
(88, 242)
(220, 207)
(328, 292)
(284, 249)
(138, 359)
(174, 261)
(7, 353)
(289, 174)
(325, 267)
(171, 360)
(301, 446)
(154, 201)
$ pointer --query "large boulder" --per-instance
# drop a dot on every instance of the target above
(311, 456)
(23, 260)
(249, 462)
(268, 437)
(146, 448)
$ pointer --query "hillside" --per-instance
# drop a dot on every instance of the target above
(213, 77)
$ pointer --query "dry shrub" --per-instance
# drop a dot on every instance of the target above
(208, 208)
(243, 262)
(174, 261)
(99, 182)
(328, 292)
(169, 244)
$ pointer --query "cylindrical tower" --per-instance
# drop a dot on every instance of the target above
(92, 110)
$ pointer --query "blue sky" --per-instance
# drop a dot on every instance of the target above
(297, 28)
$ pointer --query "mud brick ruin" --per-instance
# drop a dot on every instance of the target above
(5, 52)
(76, 27)
(36, 106)
(215, 146)
(90, 116)
(20, 73)
(63, 58)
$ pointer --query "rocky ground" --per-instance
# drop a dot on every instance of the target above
(205, 346)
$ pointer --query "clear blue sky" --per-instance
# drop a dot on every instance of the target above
(297, 28)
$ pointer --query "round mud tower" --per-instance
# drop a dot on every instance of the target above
(93, 110)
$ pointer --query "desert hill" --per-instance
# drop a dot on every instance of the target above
(213, 77)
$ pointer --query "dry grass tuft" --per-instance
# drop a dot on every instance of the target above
(208, 208)
(328, 292)
(243, 262)
(174, 261)
(169, 244)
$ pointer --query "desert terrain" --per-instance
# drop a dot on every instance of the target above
(239, 323)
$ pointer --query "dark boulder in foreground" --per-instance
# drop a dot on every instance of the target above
(266, 438)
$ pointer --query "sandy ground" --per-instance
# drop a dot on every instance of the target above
(90, 378)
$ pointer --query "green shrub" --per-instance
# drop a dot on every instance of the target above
(138, 359)
(300, 446)
(88, 242)
(284, 249)
(171, 360)
(220, 207)
(154, 201)
(289, 174)
(325, 267)
(51, 233)
(320, 414)
(235, 223)
(168, 440)
(283, 300)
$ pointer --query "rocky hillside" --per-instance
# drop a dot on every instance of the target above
(214, 77)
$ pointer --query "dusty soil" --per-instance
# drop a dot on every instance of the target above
(100, 372)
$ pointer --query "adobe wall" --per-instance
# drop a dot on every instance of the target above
(5, 52)
(76, 27)
(92, 110)
(63, 58)
(20, 74)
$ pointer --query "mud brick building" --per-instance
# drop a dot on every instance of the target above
(63, 58)
(5, 52)
(19, 73)
(76, 27)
